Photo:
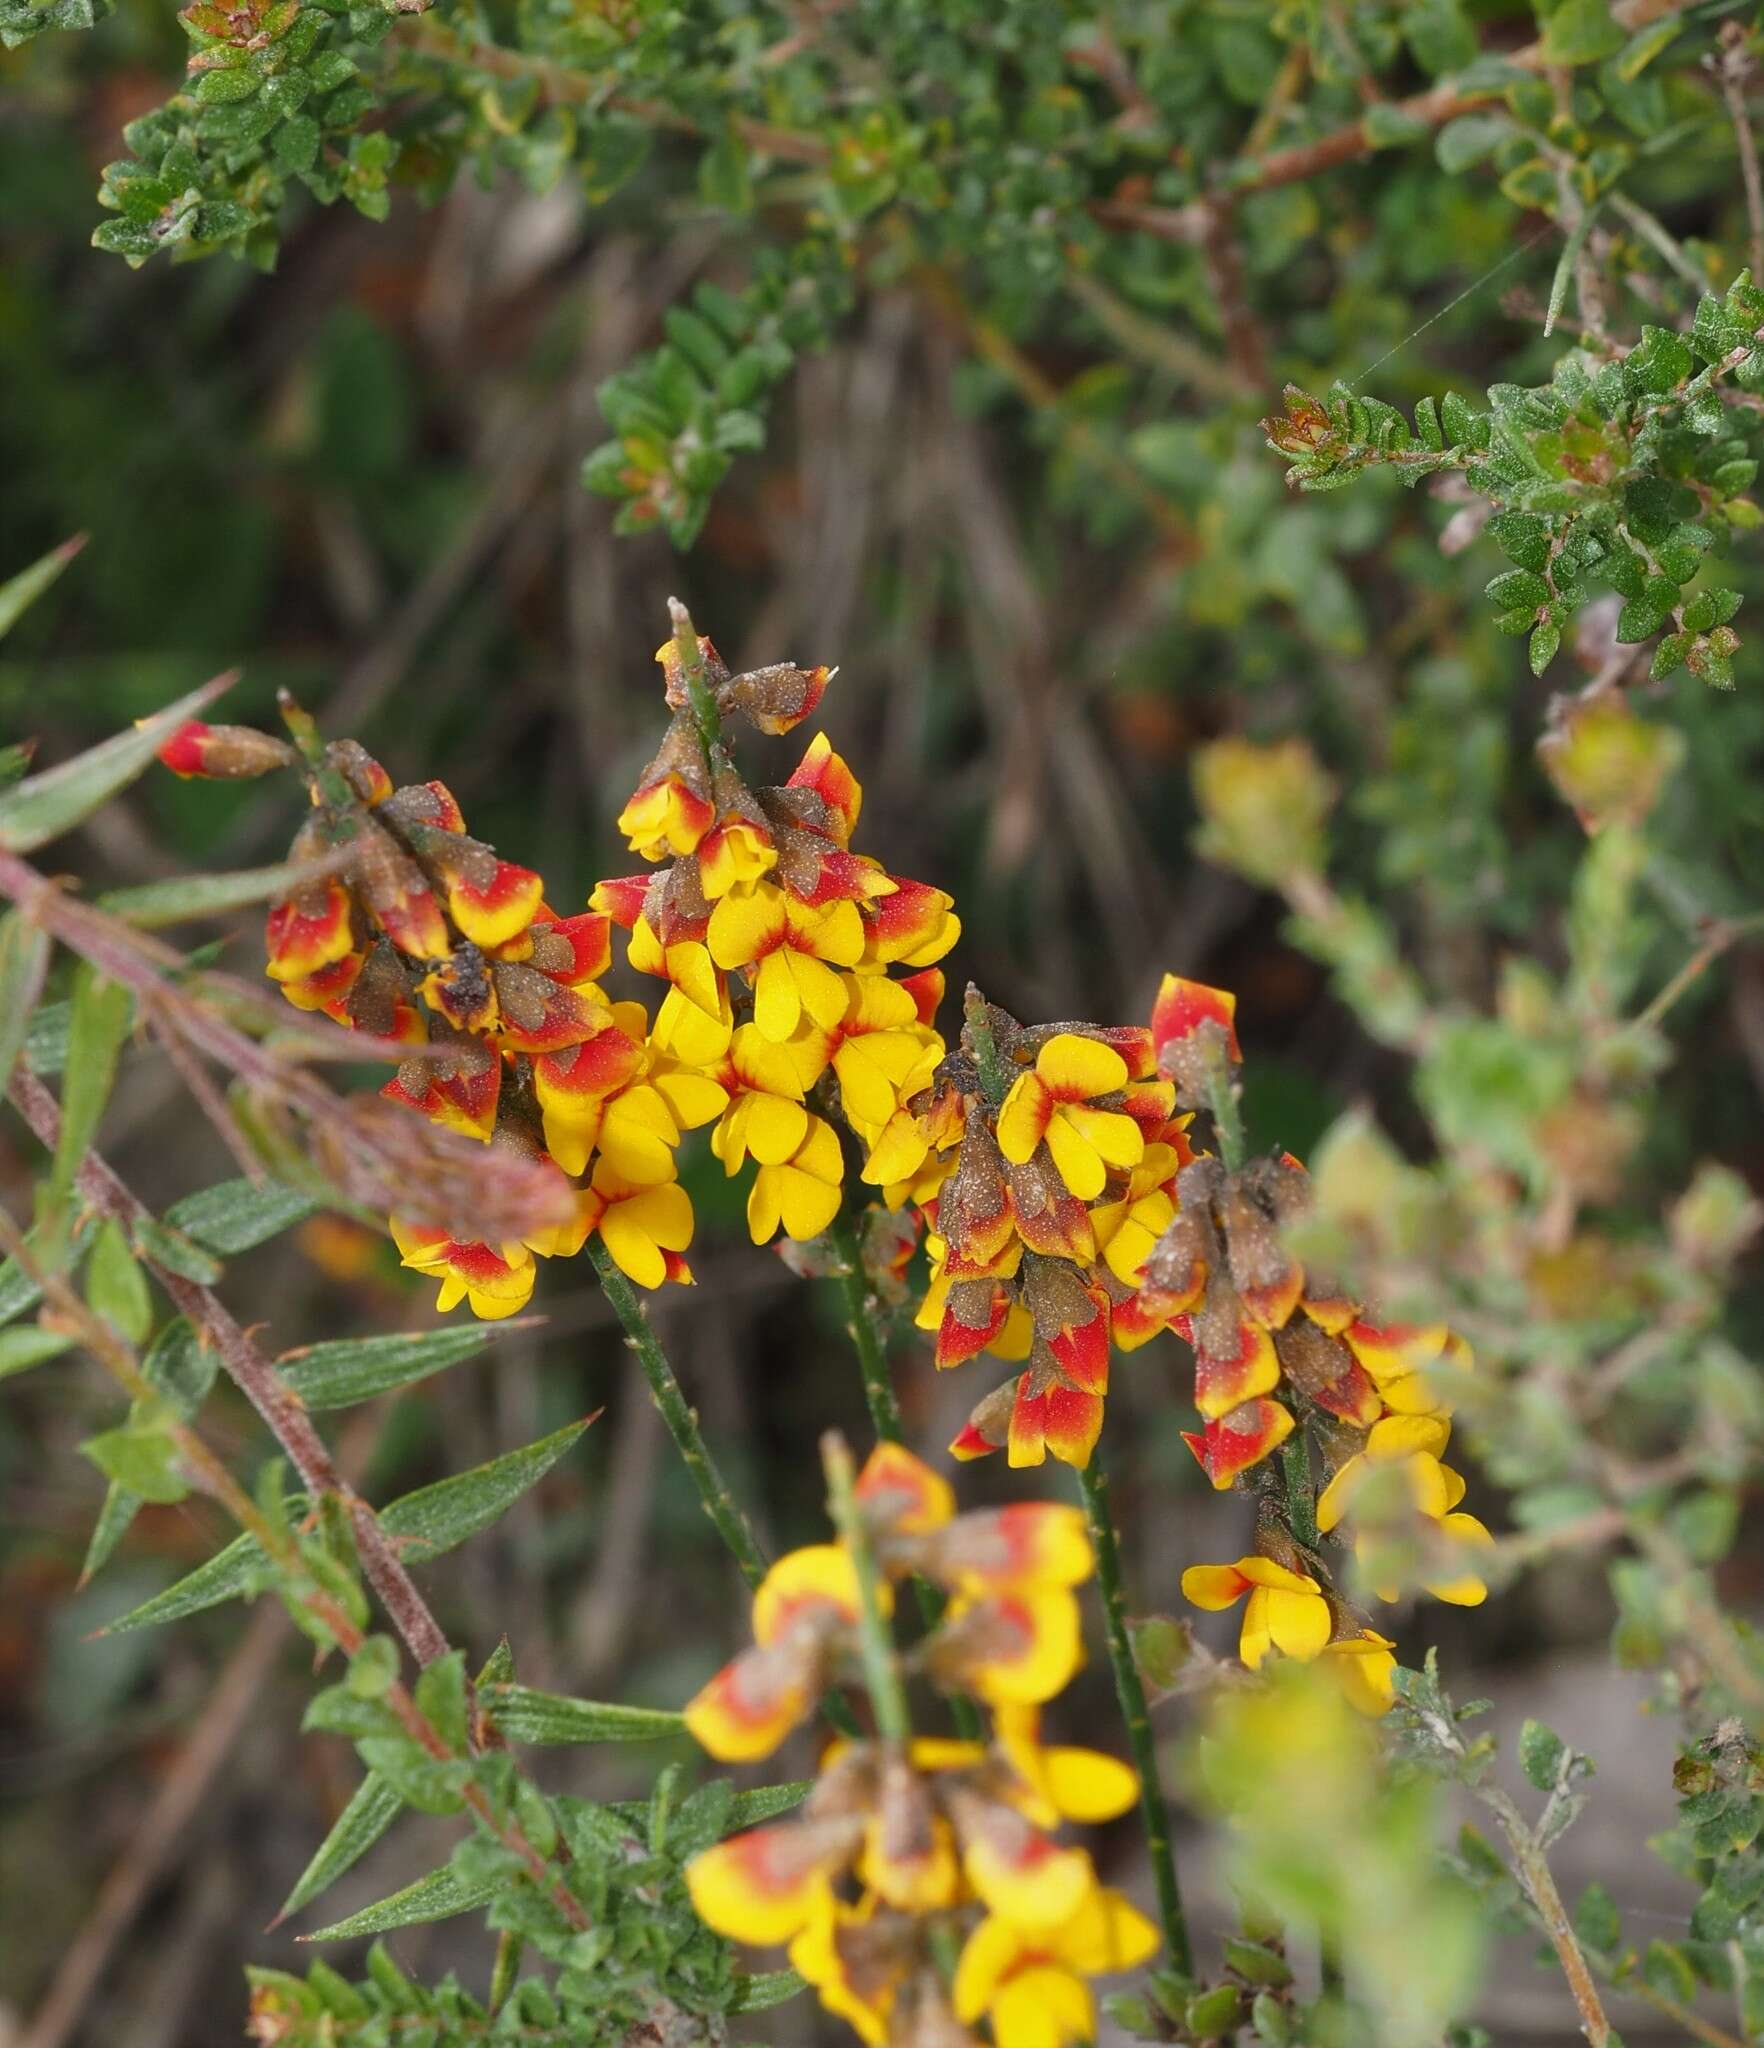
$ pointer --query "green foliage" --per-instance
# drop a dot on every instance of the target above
(1624, 473)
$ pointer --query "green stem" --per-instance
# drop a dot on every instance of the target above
(677, 1413)
(864, 1325)
(505, 1969)
(1093, 1486)
(1301, 1493)
(706, 716)
(863, 1320)
(682, 1421)
(876, 1642)
(978, 1034)
(1222, 1100)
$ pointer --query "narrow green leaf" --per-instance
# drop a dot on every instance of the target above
(98, 1022)
(20, 592)
(746, 1809)
(142, 1458)
(21, 1349)
(46, 1040)
(238, 1570)
(435, 1518)
(766, 1988)
(116, 1288)
(24, 959)
(154, 904)
(180, 1367)
(44, 806)
(14, 761)
(173, 1250)
(1541, 1754)
(370, 1812)
(524, 1714)
(436, 1897)
(356, 1368)
(18, 1291)
(234, 1215)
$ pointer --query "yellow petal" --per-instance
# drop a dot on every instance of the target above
(1213, 1587)
(1116, 1137)
(1037, 1888)
(1023, 1118)
(1076, 1068)
(1077, 1161)
(1255, 1639)
(777, 1003)
(1044, 2007)
(743, 926)
(819, 1575)
(750, 1890)
(1087, 1786)
(1107, 1933)
(1334, 1500)
(989, 1954)
(1299, 1623)
(775, 1128)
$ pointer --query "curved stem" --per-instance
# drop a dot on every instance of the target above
(863, 1323)
(869, 1339)
(1093, 1486)
(882, 1678)
(704, 704)
(682, 1421)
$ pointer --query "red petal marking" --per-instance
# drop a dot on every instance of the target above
(415, 925)
(957, 1342)
(1353, 1397)
(1225, 1381)
(183, 752)
(902, 922)
(1232, 1443)
(1028, 1433)
(300, 945)
(621, 898)
(1134, 1043)
(1330, 1312)
(588, 938)
(926, 989)
(567, 1020)
(1083, 1349)
(1183, 1006)
(447, 817)
(1074, 1422)
(596, 1067)
(968, 1443)
(1272, 1305)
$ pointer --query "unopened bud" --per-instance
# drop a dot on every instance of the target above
(223, 753)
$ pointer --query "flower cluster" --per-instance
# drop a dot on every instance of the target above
(774, 938)
(1276, 1346)
(1043, 1160)
(900, 1836)
(776, 941)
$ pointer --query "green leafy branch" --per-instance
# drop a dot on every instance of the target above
(1627, 472)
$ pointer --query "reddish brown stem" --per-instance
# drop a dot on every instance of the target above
(256, 1378)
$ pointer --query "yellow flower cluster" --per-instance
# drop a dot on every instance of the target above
(1044, 1162)
(776, 941)
(898, 1836)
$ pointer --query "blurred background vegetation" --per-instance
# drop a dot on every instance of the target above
(1029, 513)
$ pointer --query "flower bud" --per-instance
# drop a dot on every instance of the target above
(223, 753)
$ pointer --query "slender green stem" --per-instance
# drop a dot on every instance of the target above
(863, 1323)
(863, 1320)
(681, 1419)
(978, 1033)
(876, 1641)
(1301, 1491)
(1222, 1100)
(706, 716)
(1093, 1486)
(505, 1969)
